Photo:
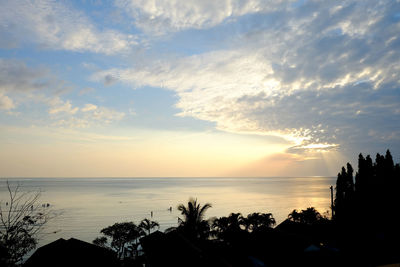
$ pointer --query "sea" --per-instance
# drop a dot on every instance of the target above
(81, 207)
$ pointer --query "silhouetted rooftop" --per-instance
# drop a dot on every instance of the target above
(72, 252)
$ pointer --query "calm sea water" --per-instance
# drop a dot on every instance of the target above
(86, 205)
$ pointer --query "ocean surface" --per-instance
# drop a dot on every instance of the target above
(83, 206)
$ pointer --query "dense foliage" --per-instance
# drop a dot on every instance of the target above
(124, 237)
(366, 210)
(374, 188)
(308, 216)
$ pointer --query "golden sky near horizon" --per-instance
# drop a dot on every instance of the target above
(151, 154)
(133, 88)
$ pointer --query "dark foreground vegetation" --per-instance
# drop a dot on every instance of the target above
(363, 230)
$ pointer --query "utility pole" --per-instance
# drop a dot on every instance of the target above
(332, 200)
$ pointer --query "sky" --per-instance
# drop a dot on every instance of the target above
(137, 88)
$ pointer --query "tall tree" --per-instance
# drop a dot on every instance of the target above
(193, 223)
(375, 190)
(344, 192)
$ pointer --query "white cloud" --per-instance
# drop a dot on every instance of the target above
(89, 107)
(6, 103)
(52, 24)
(303, 76)
(106, 115)
(59, 106)
(71, 123)
(158, 16)
(36, 86)
(211, 85)
(65, 115)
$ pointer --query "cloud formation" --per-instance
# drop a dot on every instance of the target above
(58, 106)
(15, 75)
(22, 85)
(54, 25)
(64, 114)
(18, 82)
(160, 17)
(319, 74)
(6, 103)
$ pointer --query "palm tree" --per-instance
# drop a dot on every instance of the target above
(225, 226)
(294, 216)
(146, 225)
(307, 216)
(193, 223)
(310, 216)
(256, 221)
(235, 221)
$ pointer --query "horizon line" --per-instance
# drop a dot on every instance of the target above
(158, 177)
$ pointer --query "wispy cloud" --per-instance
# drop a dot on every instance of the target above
(160, 17)
(89, 107)
(64, 114)
(58, 106)
(86, 90)
(6, 103)
(22, 85)
(319, 75)
(300, 78)
(55, 25)
(18, 82)
(15, 75)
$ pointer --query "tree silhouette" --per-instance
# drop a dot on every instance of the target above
(344, 192)
(146, 225)
(21, 220)
(257, 221)
(308, 216)
(375, 193)
(225, 227)
(193, 223)
(375, 189)
(122, 236)
(100, 241)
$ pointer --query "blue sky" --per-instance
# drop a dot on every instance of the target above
(196, 88)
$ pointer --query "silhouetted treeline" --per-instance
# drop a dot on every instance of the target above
(238, 240)
(366, 208)
(375, 188)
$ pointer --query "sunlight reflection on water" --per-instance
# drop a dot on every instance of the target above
(86, 205)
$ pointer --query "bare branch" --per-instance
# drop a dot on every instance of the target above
(21, 222)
